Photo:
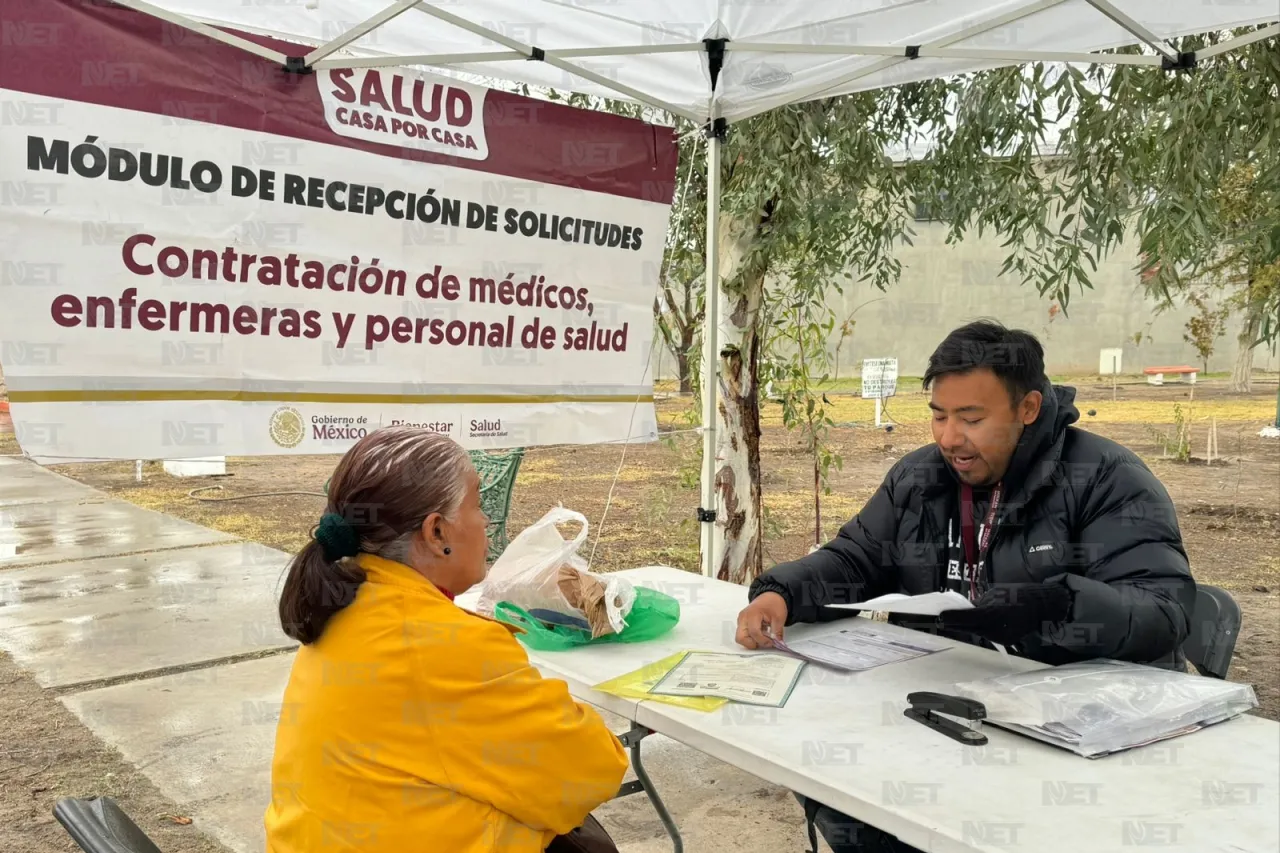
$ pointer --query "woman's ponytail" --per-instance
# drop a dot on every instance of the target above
(315, 589)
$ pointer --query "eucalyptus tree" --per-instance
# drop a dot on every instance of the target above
(1064, 163)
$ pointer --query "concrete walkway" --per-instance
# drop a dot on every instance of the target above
(162, 637)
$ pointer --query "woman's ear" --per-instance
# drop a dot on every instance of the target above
(435, 534)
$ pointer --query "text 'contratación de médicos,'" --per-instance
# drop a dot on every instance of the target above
(150, 259)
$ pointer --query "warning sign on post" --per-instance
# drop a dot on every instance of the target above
(879, 378)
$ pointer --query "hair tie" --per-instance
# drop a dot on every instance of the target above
(337, 538)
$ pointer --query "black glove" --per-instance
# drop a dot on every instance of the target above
(1005, 614)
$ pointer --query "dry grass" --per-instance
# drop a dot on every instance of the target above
(914, 409)
(1133, 406)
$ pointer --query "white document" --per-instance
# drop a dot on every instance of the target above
(756, 679)
(861, 647)
(928, 604)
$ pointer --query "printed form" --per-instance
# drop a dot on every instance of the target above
(756, 679)
(861, 647)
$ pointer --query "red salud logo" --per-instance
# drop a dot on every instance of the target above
(410, 110)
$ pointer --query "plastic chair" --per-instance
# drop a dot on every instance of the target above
(98, 825)
(1215, 625)
(497, 481)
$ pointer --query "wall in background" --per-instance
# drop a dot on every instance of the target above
(944, 286)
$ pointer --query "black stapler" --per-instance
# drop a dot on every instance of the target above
(926, 708)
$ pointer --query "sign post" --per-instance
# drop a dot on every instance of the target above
(879, 381)
(1109, 363)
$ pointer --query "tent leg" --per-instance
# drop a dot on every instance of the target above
(708, 509)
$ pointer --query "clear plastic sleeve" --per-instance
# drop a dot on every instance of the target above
(1105, 706)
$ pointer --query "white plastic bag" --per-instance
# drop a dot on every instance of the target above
(526, 574)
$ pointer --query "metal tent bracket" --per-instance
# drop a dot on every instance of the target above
(716, 128)
(1186, 61)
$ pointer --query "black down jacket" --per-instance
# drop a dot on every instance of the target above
(1108, 524)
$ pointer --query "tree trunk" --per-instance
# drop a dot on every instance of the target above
(738, 438)
(817, 502)
(682, 365)
(738, 528)
(688, 333)
(1242, 374)
(683, 359)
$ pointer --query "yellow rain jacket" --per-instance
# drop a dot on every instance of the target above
(413, 724)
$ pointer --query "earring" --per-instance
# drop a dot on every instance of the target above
(448, 551)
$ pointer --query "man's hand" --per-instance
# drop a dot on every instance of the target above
(1006, 614)
(767, 613)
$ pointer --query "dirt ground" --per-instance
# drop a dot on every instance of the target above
(46, 754)
(1229, 513)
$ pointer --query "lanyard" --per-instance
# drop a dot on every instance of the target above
(973, 554)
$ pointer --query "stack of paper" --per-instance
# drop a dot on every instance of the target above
(756, 679)
(705, 680)
(637, 684)
(928, 604)
(860, 647)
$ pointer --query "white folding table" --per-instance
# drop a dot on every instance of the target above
(843, 740)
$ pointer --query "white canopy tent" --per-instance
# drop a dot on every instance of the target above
(716, 62)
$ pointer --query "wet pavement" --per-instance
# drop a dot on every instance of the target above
(24, 483)
(95, 589)
(204, 738)
(87, 527)
(72, 623)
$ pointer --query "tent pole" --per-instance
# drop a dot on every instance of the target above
(540, 55)
(983, 25)
(392, 60)
(923, 51)
(360, 30)
(1136, 29)
(1277, 345)
(708, 510)
(1269, 31)
(203, 29)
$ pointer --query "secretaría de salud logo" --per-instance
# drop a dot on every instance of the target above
(286, 427)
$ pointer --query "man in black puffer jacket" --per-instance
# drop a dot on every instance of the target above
(1065, 541)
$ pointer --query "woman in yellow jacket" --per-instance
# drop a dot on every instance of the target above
(410, 724)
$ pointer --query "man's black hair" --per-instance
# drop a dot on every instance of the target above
(1014, 356)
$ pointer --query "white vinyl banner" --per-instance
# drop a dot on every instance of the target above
(179, 285)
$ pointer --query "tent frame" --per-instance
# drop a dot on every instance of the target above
(322, 56)
(715, 128)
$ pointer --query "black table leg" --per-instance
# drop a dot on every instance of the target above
(631, 740)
